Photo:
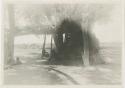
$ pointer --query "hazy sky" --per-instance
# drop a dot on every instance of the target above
(107, 31)
(110, 31)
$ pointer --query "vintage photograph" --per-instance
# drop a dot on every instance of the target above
(62, 44)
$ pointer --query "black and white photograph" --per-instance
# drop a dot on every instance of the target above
(62, 43)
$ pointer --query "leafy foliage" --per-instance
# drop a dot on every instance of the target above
(44, 17)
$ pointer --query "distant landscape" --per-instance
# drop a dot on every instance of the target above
(39, 46)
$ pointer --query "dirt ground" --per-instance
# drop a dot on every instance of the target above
(32, 71)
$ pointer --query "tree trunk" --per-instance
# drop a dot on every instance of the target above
(44, 43)
(51, 47)
(85, 53)
(9, 43)
(51, 51)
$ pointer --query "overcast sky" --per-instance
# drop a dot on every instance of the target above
(110, 31)
(107, 31)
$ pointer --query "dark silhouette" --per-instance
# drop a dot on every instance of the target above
(69, 40)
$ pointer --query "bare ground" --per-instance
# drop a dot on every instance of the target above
(33, 72)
